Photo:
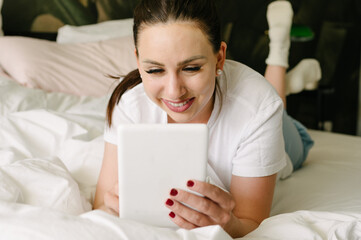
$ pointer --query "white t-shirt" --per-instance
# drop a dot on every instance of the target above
(245, 128)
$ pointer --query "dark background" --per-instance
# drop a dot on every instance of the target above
(336, 45)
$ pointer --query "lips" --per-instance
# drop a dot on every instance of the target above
(179, 106)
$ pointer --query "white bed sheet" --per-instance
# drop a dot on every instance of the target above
(51, 148)
(328, 181)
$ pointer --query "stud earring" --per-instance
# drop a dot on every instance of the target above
(219, 72)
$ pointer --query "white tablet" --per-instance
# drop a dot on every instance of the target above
(153, 159)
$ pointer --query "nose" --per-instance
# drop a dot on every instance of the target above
(175, 88)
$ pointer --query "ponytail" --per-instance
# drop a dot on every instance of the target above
(131, 80)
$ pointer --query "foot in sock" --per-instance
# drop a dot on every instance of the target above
(279, 18)
(304, 76)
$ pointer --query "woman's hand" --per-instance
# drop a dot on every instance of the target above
(238, 212)
(111, 200)
(215, 208)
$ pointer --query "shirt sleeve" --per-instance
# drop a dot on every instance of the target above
(261, 151)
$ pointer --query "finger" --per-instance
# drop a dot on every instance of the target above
(201, 204)
(181, 222)
(188, 214)
(216, 194)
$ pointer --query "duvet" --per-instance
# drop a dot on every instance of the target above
(51, 147)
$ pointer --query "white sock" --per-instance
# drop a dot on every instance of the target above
(305, 75)
(279, 18)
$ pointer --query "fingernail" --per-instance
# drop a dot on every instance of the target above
(173, 192)
(190, 183)
(169, 202)
(172, 214)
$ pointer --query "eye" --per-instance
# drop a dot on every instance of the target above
(153, 71)
(192, 69)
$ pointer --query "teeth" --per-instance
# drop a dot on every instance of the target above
(178, 104)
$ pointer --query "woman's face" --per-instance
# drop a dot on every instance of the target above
(178, 69)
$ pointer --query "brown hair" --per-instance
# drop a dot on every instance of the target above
(149, 12)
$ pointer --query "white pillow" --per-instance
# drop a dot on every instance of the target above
(95, 32)
(1, 25)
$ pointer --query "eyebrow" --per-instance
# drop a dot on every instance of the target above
(179, 64)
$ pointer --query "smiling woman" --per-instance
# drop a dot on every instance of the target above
(178, 70)
(183, 77)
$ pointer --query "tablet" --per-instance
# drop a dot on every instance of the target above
(153, 159)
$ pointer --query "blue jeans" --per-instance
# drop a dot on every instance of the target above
(297, 141)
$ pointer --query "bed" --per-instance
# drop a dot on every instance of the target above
(53, 97)
(50, 155)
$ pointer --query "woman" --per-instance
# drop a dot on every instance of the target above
(183, 77)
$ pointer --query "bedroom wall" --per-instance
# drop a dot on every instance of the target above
(1, 29)
(336, 44)
(359, 105)
(49, 15)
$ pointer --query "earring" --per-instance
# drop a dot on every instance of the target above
(219, 72)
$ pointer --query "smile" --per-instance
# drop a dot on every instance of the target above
(179, 106)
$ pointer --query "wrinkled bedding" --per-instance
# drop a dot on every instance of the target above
(51, 147)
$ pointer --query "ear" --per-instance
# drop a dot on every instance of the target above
(221, 55)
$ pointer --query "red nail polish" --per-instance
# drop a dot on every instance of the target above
(172, 214)
(190, 183)
(169, 202)
(173, 192)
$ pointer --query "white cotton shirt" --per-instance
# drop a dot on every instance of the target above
(245, 127)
